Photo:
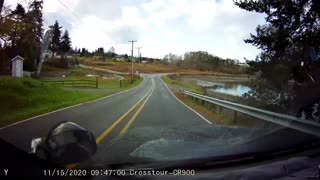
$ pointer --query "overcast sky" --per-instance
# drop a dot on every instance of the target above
(159, 26)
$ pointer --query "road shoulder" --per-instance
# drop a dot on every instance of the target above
(205, 110)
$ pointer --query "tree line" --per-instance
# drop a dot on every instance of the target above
(60, 43)
(103, 55)
(204, 61)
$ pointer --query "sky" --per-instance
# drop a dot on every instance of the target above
(159, 26)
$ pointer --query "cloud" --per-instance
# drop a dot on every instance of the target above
(104, 9)
(160, 26)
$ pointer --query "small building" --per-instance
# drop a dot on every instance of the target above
(17, 66)
(47, 54)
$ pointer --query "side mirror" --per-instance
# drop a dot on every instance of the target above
(67, 143)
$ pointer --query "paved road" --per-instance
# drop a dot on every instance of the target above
(156, 108)
(149, 123)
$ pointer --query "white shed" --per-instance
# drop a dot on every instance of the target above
(17, 66)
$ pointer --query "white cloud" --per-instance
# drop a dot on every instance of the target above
(50, 6)
(160, 26)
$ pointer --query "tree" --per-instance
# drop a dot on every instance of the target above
(56, 37)
(34, 32)
(1, 4)
(171, 58)
(99, 51)
(288, 39)
(126, 57)
(84, 52)
(111, 53)
(18, 16)
(65, 45)
(292, 30)
(111, 50)
(22, 33)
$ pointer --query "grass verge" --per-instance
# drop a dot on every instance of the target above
(167, 80)
(207, 110)
(23, 98)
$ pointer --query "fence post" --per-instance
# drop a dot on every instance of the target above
(120, 83)
(97, 82)
(220, 109)
(203, 102)
(235, 116)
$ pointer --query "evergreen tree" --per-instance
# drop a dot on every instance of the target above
(56, 37)
(65, 45)
(34, 32)
(289, 39)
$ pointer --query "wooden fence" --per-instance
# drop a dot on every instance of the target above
(74, 83)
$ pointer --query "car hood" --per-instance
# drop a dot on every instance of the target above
(173, 143)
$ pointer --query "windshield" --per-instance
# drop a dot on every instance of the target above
(159, 80)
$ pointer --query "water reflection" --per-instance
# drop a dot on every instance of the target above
(231, 89)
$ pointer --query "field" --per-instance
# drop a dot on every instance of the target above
(146, 68)
(23, 98)
(195, 89)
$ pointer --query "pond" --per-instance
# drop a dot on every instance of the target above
(233, 89)
(225, 86)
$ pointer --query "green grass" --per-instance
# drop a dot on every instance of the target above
(106, 84)
(23, 98)
(167, 80)
(75, 71)
(51, 68)
(209, 112)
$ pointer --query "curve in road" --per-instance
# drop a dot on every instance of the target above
(151, 104)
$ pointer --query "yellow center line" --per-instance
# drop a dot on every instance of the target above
(107, 131)
(125, 129)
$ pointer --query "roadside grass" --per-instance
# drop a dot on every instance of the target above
(103, 84)
(205, 110)
(194, 89)
(208, 110)
(23, 98)
(51, 71)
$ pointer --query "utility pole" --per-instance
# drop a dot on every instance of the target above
(132, 60)
(139, 55)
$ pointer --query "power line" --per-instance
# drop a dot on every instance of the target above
(80, 19)
(71, 11)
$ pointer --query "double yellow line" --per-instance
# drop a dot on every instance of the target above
(127, 126)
